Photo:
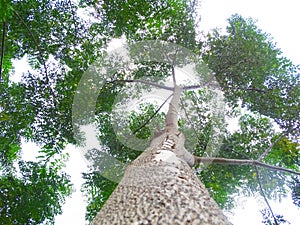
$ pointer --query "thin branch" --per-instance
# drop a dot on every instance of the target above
(198, 86)
(186, 88)
(2, 48)
(173, 75)
(192, 87)
(252, 89)
(36, 43)
(172, 63)
(52, 94)
(257, 90)
(156, 85)
(197, 104)
(208, 83)
(143, 82)
(267, 151)
(242, 162)
(263, 194)
(191, 123)
(154, 114)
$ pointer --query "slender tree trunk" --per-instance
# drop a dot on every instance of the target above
(159, 187)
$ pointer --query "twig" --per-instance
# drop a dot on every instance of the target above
(186, 88)
(255, 89)
(264, 196)
(154, 114)
(2, 48)
(267, 151)
(143, 82)
(37, 45)
(172, 63)
(242, 162)
(197, 86)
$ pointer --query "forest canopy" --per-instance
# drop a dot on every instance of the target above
(62, 40)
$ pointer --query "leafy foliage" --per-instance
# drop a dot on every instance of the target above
(31, 110)
(267, 221)
(145, 20)
(255, 135)
(247, 63)
(295, 186)
(34, 195)
(60, 46)
(97, 189)
(14, 125)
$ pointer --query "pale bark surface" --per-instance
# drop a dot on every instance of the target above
(159, 187)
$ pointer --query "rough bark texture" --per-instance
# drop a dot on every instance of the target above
(159, 187)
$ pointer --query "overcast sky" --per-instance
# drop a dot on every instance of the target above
(280, 19)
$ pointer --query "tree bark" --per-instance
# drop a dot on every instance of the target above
(159, 187)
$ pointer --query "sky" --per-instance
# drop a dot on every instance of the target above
(280, 19)
(276, 17)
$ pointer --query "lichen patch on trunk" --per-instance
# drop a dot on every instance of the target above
(166, 156)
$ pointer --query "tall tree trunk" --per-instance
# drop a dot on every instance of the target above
(159, 187)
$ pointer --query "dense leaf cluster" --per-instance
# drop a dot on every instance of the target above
(33, 195)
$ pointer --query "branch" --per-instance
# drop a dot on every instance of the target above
(267, 151)
(252, 89)
(257, 90)
(241, 162)
(36, 43)
(198, 86)
(159, 85)
(2, 49)
(52, 94)
(172, 62)
(264, 196)
(156, 85)
(143, 82)
(173, 75)
(190, 122)
(192, 87)
(208, 83)
(154, 114)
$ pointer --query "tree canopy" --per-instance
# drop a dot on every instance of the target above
(61, 40)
